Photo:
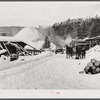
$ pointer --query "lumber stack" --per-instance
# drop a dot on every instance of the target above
(93, 67)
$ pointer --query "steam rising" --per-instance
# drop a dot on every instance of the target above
(68, 40)
(59, 41)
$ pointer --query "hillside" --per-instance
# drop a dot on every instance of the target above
(79, 28)
(10, 30)
(63, 32)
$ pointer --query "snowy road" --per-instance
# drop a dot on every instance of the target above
(51, 72)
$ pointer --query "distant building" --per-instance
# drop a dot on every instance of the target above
(3, 34)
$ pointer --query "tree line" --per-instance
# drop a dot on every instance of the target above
(79, 28)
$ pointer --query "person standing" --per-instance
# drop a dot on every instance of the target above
(78, 52)
(71, 51)
(83, 52)
(67, 51)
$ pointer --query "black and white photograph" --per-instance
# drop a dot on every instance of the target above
(49, 45)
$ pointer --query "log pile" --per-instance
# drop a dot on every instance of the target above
(93, 67)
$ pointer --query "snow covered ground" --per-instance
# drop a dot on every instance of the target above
(47, 71)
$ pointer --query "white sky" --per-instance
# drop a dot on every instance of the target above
(44, 13)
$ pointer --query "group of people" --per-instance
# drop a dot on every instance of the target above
(78, 51)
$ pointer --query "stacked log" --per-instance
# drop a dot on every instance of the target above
(93, 67)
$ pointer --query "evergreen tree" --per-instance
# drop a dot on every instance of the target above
(47, 43)
(80, 28)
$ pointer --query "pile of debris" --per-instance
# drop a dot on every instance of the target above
(93, 67)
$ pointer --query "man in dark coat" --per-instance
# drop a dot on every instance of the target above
(78, 52)
(83, 52)
(67, 51)
(71, 51)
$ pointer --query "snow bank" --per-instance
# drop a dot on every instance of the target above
(6, 64)
(93, 53)
(4, 61)
(40, 56)
(93, 50)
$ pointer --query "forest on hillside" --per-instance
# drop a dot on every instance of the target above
(78, 28)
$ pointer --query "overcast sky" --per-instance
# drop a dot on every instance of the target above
(44, 13)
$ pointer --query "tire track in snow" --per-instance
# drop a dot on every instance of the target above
(24, 66)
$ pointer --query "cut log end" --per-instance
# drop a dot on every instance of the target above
(93, 60)
(90, 64)
(97, 63)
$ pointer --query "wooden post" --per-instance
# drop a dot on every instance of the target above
(23, 49)
(6, 48)
(19, 48)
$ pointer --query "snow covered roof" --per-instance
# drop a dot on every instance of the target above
(92, 38)
(93, 53)
(14, 39)
(86, 38)
(79, 41)
(38, 45)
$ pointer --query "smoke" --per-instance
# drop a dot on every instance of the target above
(68, 39)
(56, 39)
(59, 41)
